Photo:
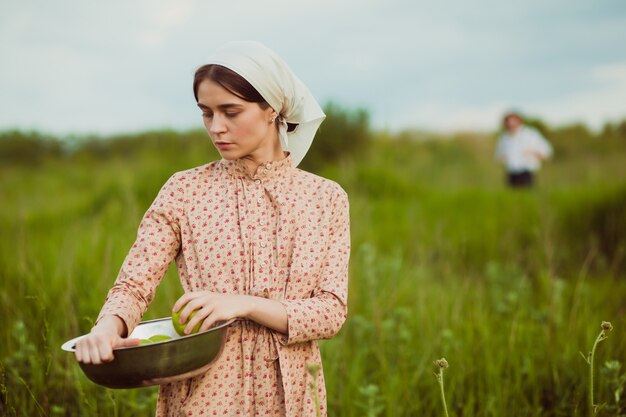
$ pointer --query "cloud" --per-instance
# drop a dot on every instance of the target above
(83, 66)
(160, 17)
(448, 116)
(600, 99)
(605, 100)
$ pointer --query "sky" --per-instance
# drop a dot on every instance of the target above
(80, 66)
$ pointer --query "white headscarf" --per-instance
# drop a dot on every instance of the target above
(279, 86)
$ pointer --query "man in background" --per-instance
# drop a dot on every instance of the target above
(521, 149)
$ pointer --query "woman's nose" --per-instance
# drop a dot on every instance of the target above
(217, 124)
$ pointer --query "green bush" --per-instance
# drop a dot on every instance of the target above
(344, 133)
(28, 148)
(595, 228)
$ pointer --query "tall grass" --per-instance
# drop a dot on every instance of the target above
(446, 262)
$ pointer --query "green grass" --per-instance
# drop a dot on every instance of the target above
(508, 286)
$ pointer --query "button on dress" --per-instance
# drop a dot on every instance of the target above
(280, 233)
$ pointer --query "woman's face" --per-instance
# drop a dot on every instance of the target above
(239, 129)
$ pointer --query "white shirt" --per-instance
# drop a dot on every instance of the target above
(520, 151)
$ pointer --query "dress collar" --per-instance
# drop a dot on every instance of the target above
(267, 170)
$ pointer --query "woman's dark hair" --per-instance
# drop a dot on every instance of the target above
(511, 115)
(234, 83)
(231, 81)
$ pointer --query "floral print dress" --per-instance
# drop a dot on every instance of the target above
(280, 233)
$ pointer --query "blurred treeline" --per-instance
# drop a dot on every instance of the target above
(344, 133)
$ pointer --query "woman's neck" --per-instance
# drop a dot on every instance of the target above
(252, 162)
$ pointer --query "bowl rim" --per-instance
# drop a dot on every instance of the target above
(70, 345)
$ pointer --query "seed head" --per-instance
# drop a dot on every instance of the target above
(313, 369)
(607, 326)
(441, 363)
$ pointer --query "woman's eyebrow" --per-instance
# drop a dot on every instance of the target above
(227, 106)
(224, 106)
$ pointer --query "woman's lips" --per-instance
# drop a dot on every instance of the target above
(223, 145)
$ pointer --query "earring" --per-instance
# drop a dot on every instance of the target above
(273, 119)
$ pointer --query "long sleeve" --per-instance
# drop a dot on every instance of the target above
(322, 315)
(157, 244)
(543, 146)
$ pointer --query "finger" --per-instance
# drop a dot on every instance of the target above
(197, 302)
(200, 315)
(85, 350)
(105, 352)
(103, 347)
(106, 348)
(185, 298)
(84, 355)
(209, 322)
(90, 351)
(78, 352)
(94, 354)
(193, 305)
(129, 342)
(182, 300)
(184, 314)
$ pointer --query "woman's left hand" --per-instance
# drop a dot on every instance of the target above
(211, 307)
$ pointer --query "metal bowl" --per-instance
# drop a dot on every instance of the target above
(160, 362)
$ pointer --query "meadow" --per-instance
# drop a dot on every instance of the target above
(509, 286)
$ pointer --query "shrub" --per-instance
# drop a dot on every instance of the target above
(344, 132)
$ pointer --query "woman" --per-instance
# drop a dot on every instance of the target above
(253, 237)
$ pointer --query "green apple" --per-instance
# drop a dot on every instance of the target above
(159, 338)
(180, 327)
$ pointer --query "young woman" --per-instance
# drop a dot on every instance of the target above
(253, 237)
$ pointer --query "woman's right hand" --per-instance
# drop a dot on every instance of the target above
(98, 345)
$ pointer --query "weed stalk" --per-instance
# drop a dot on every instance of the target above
(606, 328)
(442, 364)
(313, 369)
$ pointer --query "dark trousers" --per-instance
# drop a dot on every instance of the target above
(520, 179)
